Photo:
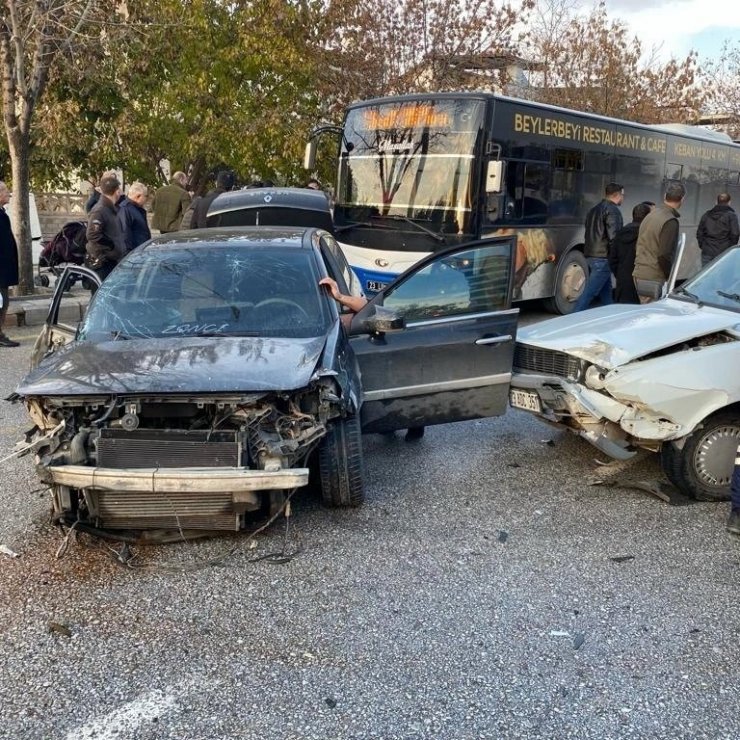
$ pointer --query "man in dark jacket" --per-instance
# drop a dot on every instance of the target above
(718, 229)
(603, 222)
(224, 183)
(622, 255)
(8, 263)
(105, 245)
(170, 203)
(132, 216)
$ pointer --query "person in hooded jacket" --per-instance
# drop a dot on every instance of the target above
(718, 229)
(622, 255)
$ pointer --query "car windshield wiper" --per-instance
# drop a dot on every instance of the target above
(689, 294)
(408, 220)
(731, 296)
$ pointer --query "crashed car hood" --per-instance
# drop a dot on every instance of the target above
(614, 335)
(181, 365)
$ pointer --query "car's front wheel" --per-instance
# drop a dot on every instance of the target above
(340, 464)
(703, 468)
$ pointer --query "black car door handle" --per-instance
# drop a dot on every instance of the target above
(495, 340)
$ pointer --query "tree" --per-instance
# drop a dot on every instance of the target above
(378, 48)
(593, 64)
(722, 79)
(34, 37)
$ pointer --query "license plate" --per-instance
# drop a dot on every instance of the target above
(527, 400)
(375, 286)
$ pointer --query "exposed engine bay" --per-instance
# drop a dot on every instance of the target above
(195, 463)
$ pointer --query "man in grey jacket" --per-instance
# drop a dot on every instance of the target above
(603, 222)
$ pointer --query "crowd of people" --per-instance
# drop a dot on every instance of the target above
(638, 257)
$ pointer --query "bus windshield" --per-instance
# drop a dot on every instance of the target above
(411, 159)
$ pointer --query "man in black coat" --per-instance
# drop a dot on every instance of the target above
(8, 263)
(224, 183)
(622, 255)
(132, 216)
(718, 229)
(105, 245)
(603, 222)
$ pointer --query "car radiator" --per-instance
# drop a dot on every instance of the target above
(127, 510)
(154, 448)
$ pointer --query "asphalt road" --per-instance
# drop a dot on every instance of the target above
(485, 590)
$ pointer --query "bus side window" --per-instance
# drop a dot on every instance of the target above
(535, 195)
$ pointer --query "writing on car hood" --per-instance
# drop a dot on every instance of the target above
(611, 336)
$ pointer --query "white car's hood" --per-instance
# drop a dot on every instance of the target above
(614, 335)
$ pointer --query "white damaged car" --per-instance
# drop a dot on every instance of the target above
(664, 376)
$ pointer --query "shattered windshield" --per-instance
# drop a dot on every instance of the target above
(209, 290)
(411, 159)
(718, 284)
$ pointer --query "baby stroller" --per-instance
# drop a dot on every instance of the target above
(67, 247)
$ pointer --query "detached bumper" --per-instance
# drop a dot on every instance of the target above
(177, 480)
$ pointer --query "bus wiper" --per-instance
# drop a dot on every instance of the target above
(406, 219)
(689, 294)
(731, 296)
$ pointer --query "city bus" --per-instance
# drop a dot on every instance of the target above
(418, 173)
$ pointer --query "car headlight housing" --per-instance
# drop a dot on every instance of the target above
(595, 377)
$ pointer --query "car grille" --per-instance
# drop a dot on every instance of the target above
(546, 361)
(157, 448)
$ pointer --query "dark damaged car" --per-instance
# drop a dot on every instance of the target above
(211, 368)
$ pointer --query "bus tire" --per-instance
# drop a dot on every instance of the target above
(570, 280)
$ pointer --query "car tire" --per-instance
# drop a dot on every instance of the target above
(340, 464)
(707, 458)
(572, 267)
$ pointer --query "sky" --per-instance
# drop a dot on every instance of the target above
(678, 26)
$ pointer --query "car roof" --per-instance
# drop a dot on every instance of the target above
(304, 199)
(300, 237)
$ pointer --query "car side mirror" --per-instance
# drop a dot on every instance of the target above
(381, 321)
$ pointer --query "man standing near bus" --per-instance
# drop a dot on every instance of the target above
(603, 222)
(718, 230)
(658, 237)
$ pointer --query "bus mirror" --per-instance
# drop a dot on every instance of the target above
(309, 158)
(495, 176)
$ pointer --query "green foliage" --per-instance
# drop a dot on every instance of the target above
(200, 83)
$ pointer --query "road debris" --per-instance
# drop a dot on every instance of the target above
(622, 558)
(5, 550)
(502, 536)
(578, 640)
(60, 629)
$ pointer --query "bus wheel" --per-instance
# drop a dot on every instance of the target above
(569, 282)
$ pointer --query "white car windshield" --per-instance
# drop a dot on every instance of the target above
(718, 284)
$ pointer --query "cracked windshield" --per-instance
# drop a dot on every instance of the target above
(411, 160)
(219, 291)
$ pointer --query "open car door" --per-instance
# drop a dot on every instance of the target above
(60, 329)
(452, 358)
